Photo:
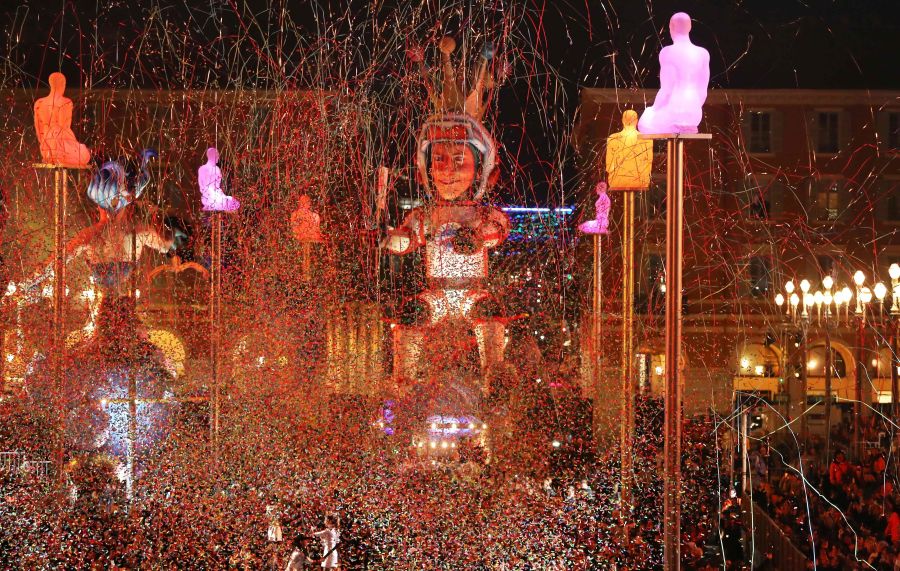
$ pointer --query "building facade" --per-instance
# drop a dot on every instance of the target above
(795, 184)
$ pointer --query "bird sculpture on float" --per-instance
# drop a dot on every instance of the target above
(53, 124)
(683, 81)
(115, 242)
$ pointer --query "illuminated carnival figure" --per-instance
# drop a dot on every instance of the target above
(629, 159)
(683, 81)
(209, 176)
(456, 159)
(53, 123)
(305, 226)
(600, 224)
(115, 374)
(114, 244)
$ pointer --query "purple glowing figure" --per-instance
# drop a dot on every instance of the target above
(601, 224)
(212, 196)
(683, 80)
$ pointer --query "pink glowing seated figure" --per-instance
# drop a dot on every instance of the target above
(53, 123)
(601, 212)
(210, 177)
(305, 222)
(683, 80)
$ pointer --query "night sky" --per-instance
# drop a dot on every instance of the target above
(555, 48)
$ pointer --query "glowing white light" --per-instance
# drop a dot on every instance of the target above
(659, 370)
(10, 357)
(759, 370)
(827, 282)
(880, 291)
(11, 288)
(443, 444)
(865, 295)
(779, 300)
(137, 294)
(795, 299)
(789, 287)
(894, 271)
(812, 364)
(847, 294)
(556, 443)
(859, 278)
(804, 286)
(432, 444)
(745, 363)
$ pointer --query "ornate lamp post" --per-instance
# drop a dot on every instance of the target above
(830, 305)
(894, 272)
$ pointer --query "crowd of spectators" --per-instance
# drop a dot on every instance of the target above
(399, 510)
(839, 511)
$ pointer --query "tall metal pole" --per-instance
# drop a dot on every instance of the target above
(895, 365)
(673, 397)
(804, 379)
(860, 373)
(595, 334)
(828, 365)
(626, 427)
(59, 300)
(215, 315)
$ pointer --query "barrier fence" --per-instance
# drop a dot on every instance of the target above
(767, 539)
(15, 463)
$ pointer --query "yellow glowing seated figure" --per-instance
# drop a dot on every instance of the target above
(53, 123)
(628, 158)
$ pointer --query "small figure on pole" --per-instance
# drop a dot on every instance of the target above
(53, 123)
(212, 197)
(600, 224)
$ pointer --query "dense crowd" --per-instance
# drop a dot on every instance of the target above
(399, 510)
(841, 513)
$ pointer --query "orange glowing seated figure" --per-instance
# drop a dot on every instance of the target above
(53, 123)
(305, 222)
(629, 159)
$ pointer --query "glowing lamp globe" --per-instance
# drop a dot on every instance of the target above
(683, 79)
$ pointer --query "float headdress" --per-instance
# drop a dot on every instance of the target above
(457, 118)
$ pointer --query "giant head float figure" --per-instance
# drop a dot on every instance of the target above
(683, 80)
(456, 159)
(209, 175)
(53, 123)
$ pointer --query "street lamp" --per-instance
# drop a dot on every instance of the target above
(828, 302)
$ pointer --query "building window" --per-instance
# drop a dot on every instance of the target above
(656, 283)
(760, 271)
(893, 134)
(826, 265)
(828, 200)
(893, 207)
(759, 203)
(827, 132)
(760, 132)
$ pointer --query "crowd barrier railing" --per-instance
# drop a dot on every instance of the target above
(765, 538)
